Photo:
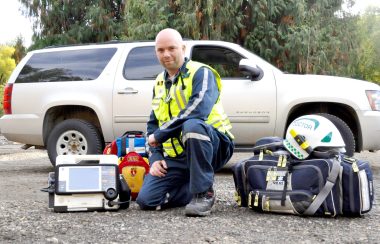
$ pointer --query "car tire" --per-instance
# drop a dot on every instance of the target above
(73, 137)
(345, 131)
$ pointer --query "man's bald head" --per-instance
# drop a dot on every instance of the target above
(169, 34)
(170, 50)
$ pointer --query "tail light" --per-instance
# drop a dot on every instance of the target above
(7, 105)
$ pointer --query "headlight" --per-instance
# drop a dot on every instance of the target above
(374, 99)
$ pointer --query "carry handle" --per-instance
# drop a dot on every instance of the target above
(89, 162)
(75, 159)
(136, 133)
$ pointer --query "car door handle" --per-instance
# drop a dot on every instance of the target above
(128, 90)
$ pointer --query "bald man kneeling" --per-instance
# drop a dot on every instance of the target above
(188, 132)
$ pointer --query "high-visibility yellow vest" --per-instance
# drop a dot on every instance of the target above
(167, 105)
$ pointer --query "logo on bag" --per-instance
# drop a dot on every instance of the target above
(277, 183)
(279, 180)
(132, 158)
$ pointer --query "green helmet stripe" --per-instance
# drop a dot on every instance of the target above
(294, 150)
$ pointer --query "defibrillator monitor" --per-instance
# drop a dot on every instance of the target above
(87, 183)
(86, 179)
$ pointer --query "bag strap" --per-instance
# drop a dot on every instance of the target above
(330, 182)
(131, 144)
(123, 145)
(130, 136)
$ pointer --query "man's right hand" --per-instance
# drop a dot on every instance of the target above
(152, 141)
(158, 168)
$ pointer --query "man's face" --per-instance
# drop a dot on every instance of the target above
(170, 52)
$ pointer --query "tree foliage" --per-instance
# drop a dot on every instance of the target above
(75, 21)
(322, 38)
(366, 63)
(20, 50)
(199, 19)
(297, 36)
(7, 63)
(273, 29)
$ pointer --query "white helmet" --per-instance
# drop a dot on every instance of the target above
(312, 132)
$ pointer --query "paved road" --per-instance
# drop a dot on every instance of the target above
(25, 217)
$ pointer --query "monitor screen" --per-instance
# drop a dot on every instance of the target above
(84, 179)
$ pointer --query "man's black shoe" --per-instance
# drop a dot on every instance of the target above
(201, 204)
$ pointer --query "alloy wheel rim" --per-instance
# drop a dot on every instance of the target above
(72, 142)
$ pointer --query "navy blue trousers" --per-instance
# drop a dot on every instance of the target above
(206, 151)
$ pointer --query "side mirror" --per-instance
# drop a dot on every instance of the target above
(254, 71)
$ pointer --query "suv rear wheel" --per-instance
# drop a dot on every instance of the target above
(73, 137)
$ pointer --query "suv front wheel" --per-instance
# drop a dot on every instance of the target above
(345, 132)
(73, 137)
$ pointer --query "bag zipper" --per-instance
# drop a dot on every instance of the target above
(274, 195)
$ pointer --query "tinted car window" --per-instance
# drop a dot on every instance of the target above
(224, 60)
(69, 65)
(142, 64)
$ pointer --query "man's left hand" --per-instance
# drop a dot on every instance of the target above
(159, 168)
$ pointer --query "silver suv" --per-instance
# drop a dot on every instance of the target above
(72, 100)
